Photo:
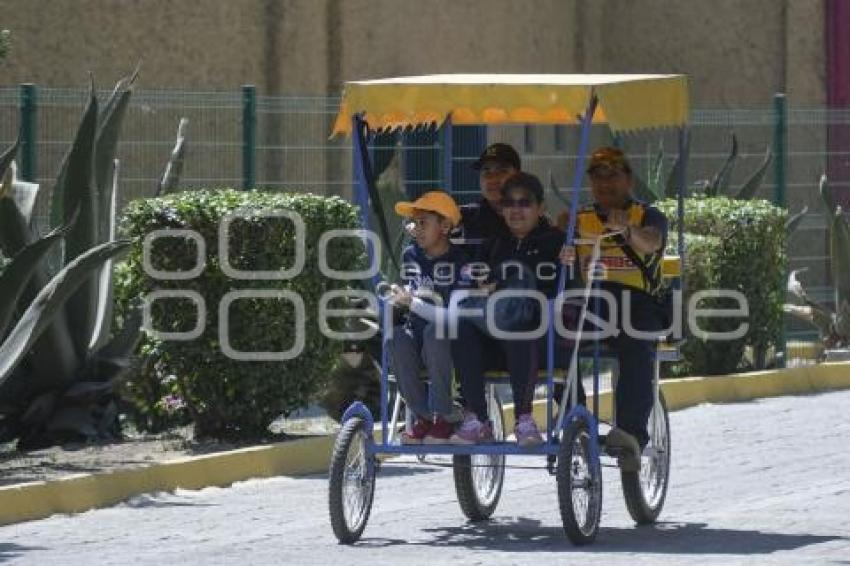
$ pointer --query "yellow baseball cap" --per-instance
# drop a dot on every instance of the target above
(609, 157)
(433, 201)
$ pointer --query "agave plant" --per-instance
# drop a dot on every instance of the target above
(657, 185)
(833, 325)
(59, 359)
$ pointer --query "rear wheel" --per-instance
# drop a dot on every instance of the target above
(579, 478)
(352, 481)
(479, 478)
(645, 490)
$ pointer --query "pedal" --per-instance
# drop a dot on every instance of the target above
(551, 463)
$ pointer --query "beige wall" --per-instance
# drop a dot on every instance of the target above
(739, 52)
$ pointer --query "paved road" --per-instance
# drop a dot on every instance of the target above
(760, 482)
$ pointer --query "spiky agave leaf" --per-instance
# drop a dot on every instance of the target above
(113, 360)
(14, 279)
(109, 126)
(174, 167)
(751, 185)
(8, 156)
(720, 182)
(671, 187)
(76, 171)
(840, 255)
(49, 303)
(14, 230)
(642, 191)
(124, 343)
(792, 223)
(53, 355)
(76, 189)
(826, 194)
(24, 194)
(817, 316)
(842, 323)
(103, 317)
(656, 172)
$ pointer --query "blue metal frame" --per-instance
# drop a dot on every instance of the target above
(578, 412)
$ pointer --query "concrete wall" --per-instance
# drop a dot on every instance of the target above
(739, 52)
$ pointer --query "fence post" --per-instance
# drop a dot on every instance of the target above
(780, 136)
(29, 106)
(249, 136)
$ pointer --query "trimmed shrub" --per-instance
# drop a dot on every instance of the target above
(193, 379)
(743, 248)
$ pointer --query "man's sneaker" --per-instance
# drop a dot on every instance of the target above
(472, 431)
(526, 431)
(416, 433)
(625, 448)
(439, 433)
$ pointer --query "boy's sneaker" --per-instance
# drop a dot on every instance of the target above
(439, 433)
(526, 431)
(472, 431)
(416, 433)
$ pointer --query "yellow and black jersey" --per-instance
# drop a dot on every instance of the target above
(618, 262)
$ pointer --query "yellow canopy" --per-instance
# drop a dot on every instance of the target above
(626, 102)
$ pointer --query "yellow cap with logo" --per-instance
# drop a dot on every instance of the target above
(433, 201)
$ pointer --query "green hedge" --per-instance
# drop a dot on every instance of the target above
(193, 380)
(738, 245)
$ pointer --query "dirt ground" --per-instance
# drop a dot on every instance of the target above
(136, 450)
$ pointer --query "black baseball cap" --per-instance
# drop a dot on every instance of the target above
(525, 181)
(500, 152)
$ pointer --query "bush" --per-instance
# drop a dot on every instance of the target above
(734, 245)
(193, 380)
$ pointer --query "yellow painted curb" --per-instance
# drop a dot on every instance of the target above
(36, 500)
(687, 392)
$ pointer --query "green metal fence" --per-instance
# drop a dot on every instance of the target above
(241, 139)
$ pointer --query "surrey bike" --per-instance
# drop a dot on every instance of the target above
(574, 449)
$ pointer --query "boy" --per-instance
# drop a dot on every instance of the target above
(432, 267)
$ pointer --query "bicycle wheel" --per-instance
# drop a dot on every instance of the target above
(579, 478)
(479, 478)
(645, 490)
(352, 482)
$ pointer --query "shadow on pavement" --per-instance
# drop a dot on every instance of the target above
(393, 470)
(520, 534)
(145, 501)
(10, 551)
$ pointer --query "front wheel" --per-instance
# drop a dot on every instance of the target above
(479, 478)
(579, 478)
(352, 481)
(645, 490)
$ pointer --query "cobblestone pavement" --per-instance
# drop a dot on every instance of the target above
(759, 482)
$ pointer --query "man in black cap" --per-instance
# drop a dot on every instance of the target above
(482, 219)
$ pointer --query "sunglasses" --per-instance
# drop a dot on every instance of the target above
(517, 202)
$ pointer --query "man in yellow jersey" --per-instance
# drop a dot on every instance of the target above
(630, 265)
